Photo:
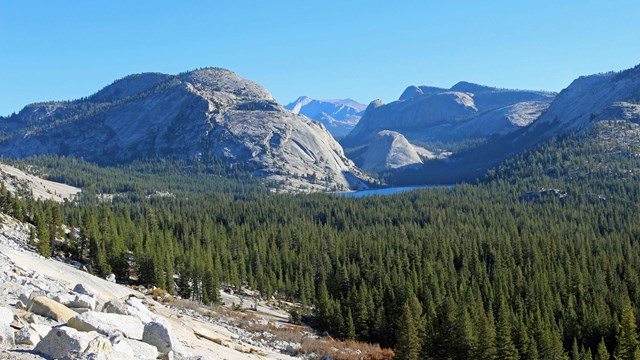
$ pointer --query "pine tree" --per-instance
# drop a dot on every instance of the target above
(323, 308)
(505, 348)
(603, 353)
(184, 282)
(32, 236)
(575, 351)
(408, 341)
(350, 327)
(532, 351)
(44, 240)
(627, 339)
(484, 346)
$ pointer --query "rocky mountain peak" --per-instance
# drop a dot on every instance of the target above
(415, 91)
(205, 111)
(588, 98)
(217, 80)
(390, 150)
(466, 111)
(468, 87)
(374, 104)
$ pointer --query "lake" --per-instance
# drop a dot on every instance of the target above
(391, 190)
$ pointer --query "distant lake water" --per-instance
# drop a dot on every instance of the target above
(391, 190)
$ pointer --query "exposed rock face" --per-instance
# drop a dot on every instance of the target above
(15, 179)
(588, 101)
(465, 111)
(610, 96)
(391, 150)
(207, 111)
(413, 91)
(338, 116)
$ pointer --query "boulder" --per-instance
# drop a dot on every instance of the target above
(111, 278)
(47, 307)
(101, 348)
(99, 345)
(115, 306)
(27, 336)
(26, 294)
(136, 308)
(108, 324)
(120, 345)
(142, 349)
(6, 316)
(160, 335)
(85, 301)
(64, 298)
(7, 337)
(63, 342)
(76, 300)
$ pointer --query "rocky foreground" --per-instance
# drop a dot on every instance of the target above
(49, 309)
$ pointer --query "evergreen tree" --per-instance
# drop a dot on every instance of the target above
(350, 326)
(484, 346)
(44, 239)
(603, 353)
(505, 348)
(408, 344)
(323, 308)
(627, 339)
(575, 351)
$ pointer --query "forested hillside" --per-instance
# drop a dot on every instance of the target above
(501, 269)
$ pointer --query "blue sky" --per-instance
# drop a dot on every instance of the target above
(61, 50)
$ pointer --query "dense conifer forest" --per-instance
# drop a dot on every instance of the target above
(539, 260)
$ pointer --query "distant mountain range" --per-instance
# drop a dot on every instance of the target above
(585, 102)
(465, 111)
(338, 116)
(214, 113)
(187, 116)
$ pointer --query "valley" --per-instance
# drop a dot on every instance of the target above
(200, 195)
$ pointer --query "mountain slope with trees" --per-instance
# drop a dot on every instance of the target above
(476, 271)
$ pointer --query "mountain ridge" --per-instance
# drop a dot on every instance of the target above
(188, 115)
(427, 113)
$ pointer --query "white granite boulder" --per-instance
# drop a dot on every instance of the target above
(160, 335)
(63, 342)
(108, 324)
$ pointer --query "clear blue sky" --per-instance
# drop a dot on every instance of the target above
(59, 50)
